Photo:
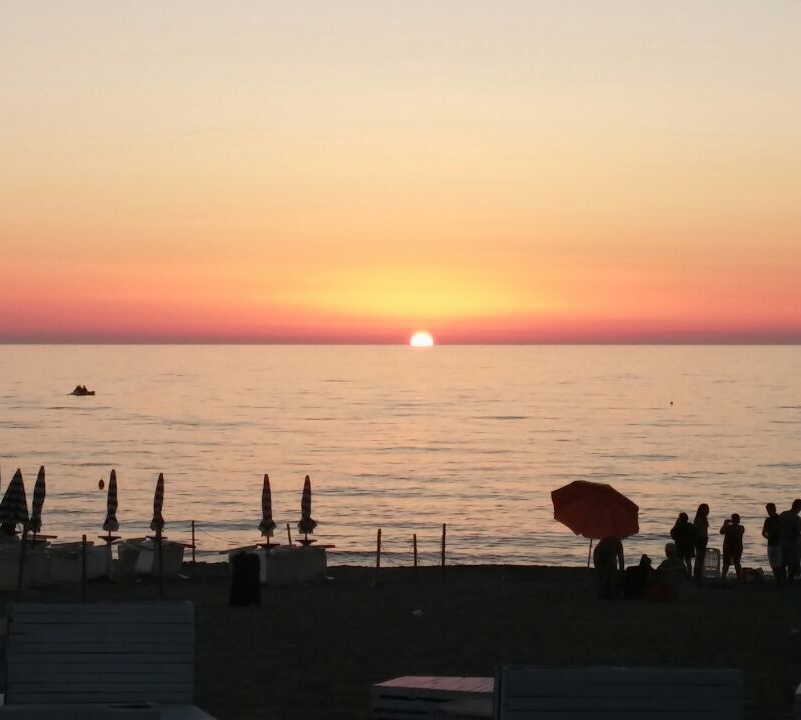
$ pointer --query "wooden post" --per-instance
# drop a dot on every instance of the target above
(414, 547)
(193, 543)
(589, 553)
(377, 554)
(83, 568)
(160, 559)
(443, 549)
(288, 534)
(21, 569)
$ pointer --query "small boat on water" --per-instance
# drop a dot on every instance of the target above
(81, 390)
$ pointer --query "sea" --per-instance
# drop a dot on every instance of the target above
(404, 440)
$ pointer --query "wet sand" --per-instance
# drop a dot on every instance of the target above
(313, 651)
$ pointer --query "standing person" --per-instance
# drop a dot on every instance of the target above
(772, 533)
(609, 550)
(683, 535)
(701, 525)
(789, 535)
(732, 533)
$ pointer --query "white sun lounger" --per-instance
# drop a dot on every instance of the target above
(138, 556)
(101, 661)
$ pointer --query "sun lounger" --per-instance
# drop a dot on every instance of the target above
(103, 661)
(36, 572)
(569, 693)
(138, 556)
(288, 565)
(66, 561)
(586, 693)
(427, 697)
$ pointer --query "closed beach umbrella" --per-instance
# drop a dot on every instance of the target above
(306, 524)
(39, 491)
(595, 510)
(157, 523)
(267, 525)
(110, 524)
(14, 505)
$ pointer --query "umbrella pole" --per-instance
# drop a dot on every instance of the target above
(161, 564)
(21, 561)
(589, 553)
(83, 568)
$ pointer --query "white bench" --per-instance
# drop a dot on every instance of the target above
(631, 693)
(101, 661)
(422, 696)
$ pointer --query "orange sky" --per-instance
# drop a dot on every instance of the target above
(527, 172)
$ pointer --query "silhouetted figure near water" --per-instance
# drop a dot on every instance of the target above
(701, 538)
(636, 578)
(772, 533)
(789, 535)
(607, 559)
(683, 534)
(732, 533)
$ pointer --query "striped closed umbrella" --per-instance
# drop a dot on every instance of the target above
(110, 524)
(14, 505)
(267, 525)
(306, 524)
(157, 523)
(39, 491)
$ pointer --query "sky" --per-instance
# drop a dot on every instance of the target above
(507, 171)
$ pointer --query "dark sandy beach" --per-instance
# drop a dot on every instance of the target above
(313, 651)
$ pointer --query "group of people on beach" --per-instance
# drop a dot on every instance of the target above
(684, 556)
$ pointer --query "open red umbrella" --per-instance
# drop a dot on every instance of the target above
(595, 510)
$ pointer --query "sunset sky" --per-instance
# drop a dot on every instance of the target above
(518, 171)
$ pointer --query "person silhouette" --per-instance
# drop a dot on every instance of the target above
(701, 539)
(732, 533)
(683, 534)
(772, 533)
(607, 559)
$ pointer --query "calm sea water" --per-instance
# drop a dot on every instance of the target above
(404, 439)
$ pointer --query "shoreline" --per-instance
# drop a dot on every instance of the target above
(314, 650)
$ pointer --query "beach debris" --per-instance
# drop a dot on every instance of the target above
(14, 505)
(81, 391)
(110, 524)
(267, 524)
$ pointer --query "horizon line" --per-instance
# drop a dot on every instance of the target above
(501, 343)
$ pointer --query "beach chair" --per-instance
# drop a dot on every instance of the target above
(711, 567)
(422, 696)
(103, 661)
(630, 693)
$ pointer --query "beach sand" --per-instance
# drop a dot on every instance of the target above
(313, 651)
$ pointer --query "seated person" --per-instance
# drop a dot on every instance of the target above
(637, 578)
(671, 577)
(607, 558)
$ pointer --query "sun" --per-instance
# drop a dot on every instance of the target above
(422, 339)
